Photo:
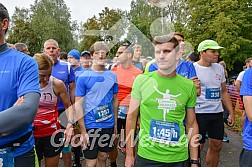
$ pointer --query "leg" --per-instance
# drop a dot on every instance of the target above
(213, 152)
(114, 153)
(67, 158)
(215, 133)
(52, 161)
(91, 162)
(102, 158)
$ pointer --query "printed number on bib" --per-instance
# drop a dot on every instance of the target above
(213, 93)
(122, 112)
(7, 157)
(164, 132)
(102, 113)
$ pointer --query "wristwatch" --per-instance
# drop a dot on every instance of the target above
(71, 122)
(193, 161)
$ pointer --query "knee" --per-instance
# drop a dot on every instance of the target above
(102, 156)
(216, 146)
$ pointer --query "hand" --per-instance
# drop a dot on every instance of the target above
(68, 133)
(115, 130)
(129, 161)
(196, 81)
(231, 120)
(84, 140)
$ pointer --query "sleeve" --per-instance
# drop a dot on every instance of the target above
(20, 115)
(28, 77)
(240, 76)
(71, 76)
(153, 67)
(223, 77)
(192, 98)
(81, 86)
(136, 91)
(192, 71)
(246, 86)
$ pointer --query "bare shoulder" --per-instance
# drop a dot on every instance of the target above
(58, 86)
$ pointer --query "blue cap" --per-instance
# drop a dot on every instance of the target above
(85, 52)
(75, 53)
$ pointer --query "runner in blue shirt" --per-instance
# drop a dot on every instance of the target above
(19, 80)
(96, 93)
(246, 92)
(64, 72)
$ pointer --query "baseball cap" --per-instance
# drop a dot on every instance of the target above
(149, 57)
(75, 53)
(208, 44)
(85, 52)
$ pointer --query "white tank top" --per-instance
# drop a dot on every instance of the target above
(47, 116)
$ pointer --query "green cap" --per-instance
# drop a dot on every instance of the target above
(208, 44)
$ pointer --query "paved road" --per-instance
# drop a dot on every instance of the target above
(229, 155)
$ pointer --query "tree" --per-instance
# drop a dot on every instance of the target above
(52, 19)
(105, 21)
(44, 20)
(225, 21)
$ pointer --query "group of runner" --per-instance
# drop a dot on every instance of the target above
(175, 103)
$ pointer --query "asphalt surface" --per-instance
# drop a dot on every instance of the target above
(229, 156)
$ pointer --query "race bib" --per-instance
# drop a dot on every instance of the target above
(213, 93)
(122, 110)
(102, 113)
(164, 132)
(7, 157)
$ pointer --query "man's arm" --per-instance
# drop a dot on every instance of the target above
(115, 107)
(197, 85)
(247, 100)
(192, 130)
(18, 116)
(61, 92)
(80, 113)
(228, 104)
(238, 85)
(72, 91)
(130, 130)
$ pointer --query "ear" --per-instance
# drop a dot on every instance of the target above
(5, 23)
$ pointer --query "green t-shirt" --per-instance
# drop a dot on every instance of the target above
(162, 109)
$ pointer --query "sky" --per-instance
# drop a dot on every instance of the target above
(80, 10)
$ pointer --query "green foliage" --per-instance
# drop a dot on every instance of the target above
(228, 22)
(105, 20)
(44, 20)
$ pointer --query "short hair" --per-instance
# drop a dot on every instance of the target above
(44, 61)
(248, 60)
(10, 45)
(179, 34)
(4, 14)
(53, 41)
(20, 46)
(194, 56)
(63, 55)
(99, 45)
(167, 38)
(136, 46)
(128, 48)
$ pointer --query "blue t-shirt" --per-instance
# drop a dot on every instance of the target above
(64, 72)
(77, 72)
(246, 90)
(19, 76)
(98, 89)
(184, 68)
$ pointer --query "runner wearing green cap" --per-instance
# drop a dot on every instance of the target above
(209, 111)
